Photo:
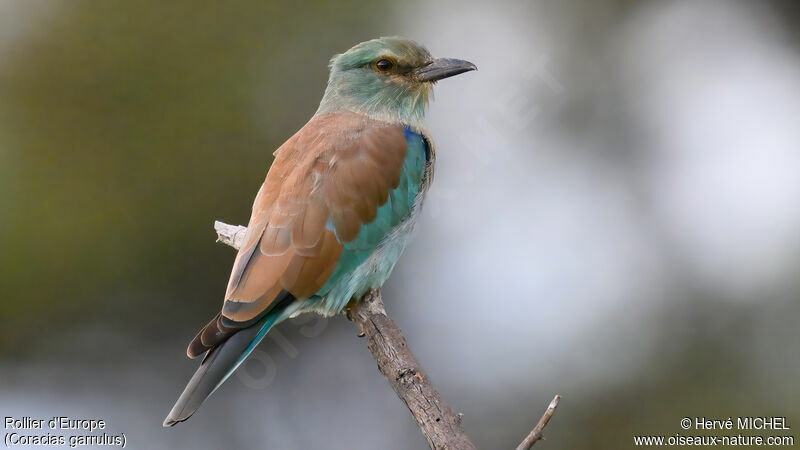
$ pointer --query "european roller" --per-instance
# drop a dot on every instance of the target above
(335, 210)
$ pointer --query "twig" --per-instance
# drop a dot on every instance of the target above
(232, 235)
(536, 433)
(440, 426)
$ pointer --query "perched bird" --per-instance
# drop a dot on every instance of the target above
(336, 208)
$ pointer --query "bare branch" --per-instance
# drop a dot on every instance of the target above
(437, 421)
(536, 433)
(440, 426)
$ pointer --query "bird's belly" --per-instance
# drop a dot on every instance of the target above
(371, 273)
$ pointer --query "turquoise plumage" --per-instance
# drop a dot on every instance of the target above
(398, 207)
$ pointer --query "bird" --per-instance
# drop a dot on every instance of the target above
(336, 209)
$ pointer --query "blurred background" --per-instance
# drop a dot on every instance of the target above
(615, 217)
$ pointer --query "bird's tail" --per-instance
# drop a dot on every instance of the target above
(218, 364)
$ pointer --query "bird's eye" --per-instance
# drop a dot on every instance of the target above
(384, 65)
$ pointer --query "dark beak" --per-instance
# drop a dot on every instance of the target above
(443, 68)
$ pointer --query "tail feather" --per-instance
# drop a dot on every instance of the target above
(218, 364)
(221, 328)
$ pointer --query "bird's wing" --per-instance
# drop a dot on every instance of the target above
(325, 183)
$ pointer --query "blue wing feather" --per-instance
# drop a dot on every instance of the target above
(398, 206)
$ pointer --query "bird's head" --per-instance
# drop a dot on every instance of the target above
(390, 78)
